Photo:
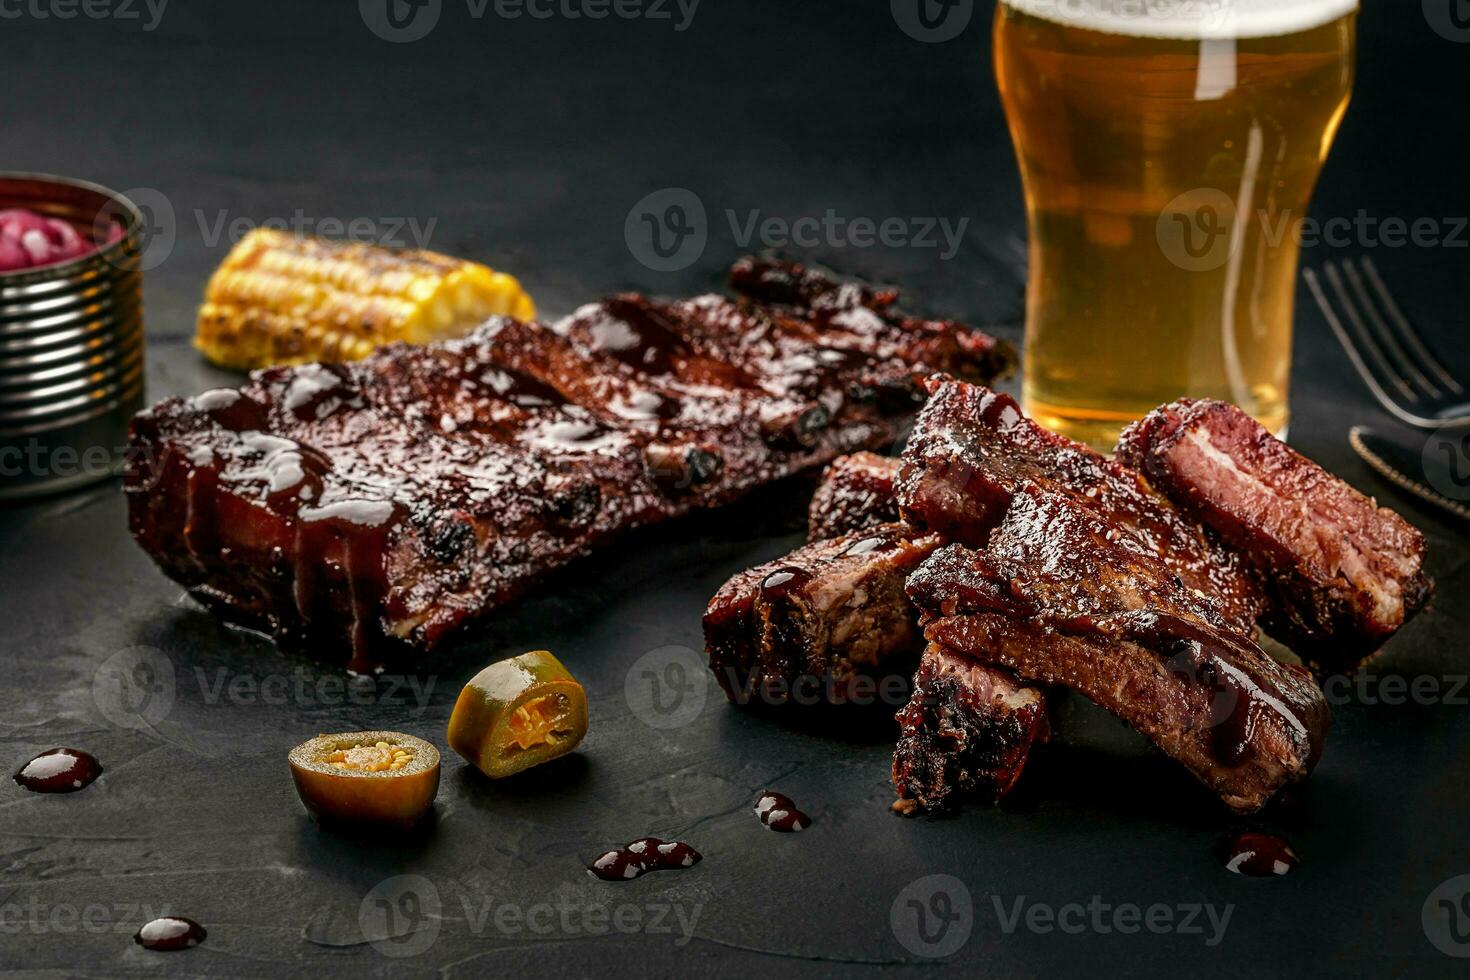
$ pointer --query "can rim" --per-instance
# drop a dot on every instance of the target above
(132, 228)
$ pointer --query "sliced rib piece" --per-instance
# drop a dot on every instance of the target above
(1342, 574)
(967, 730)
(1060, 596)
(856, 492)
(815, 621)
(377, 506)
(972, 450)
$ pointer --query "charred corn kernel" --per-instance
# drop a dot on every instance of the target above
(366, 777)
(518, 713)
(280, 298)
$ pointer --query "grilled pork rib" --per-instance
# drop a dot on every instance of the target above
(869, 317)
(375, 507)
(1061, 597)
(856, 492)
(968, 728)
(972, 450)
(1137, 582)
(1342, 573)
(824, 616)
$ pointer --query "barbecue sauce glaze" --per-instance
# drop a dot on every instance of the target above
(170, 933)
(642, 856)
(1257, 854)
(778, 812)
(59, 771)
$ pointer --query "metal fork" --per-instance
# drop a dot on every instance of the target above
(1392, 359)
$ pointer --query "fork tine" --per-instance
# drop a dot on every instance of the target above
(1377, 358)
(1385, 333)
(1407, 331)
(1360, 363)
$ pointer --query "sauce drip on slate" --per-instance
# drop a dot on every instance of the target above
(642, 856)
(59, 771)
(170, 933)
(778, 812)
(1257, 854)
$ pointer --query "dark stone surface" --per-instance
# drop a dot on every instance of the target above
(528, 142)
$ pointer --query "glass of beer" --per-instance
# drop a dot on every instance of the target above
(1168, 149)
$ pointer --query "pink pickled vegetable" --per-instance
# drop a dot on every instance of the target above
(12, 256)
(29, 240)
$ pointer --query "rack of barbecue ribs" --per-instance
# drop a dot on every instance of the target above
(374, 507)
(1138, 581)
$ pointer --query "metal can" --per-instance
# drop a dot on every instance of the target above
(71, 342)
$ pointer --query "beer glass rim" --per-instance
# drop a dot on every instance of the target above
(1189, 20)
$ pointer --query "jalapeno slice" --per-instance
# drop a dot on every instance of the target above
(366, 778)
(517, 714)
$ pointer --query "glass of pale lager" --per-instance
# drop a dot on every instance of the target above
(1168, 150)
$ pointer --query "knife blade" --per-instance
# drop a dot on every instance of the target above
(1419, 472)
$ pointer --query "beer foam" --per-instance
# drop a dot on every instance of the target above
(1189, 20)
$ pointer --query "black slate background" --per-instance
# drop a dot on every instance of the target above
(528, 142)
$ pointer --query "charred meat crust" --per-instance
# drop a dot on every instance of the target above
(870, 317)
(1342, 574)
(856, 492)
(1138, 582)
(375, 507)
(832, 612)
(1061, 599)
(967, 731)
(1167, 685)
(972, 450)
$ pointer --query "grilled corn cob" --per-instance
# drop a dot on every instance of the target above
(280, 298)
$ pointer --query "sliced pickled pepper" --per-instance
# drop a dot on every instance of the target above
(366, 777)
(517, 714)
